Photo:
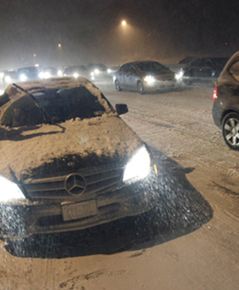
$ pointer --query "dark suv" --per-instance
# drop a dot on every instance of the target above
(226, 102)
(68, 161)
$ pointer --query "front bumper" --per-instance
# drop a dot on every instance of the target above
(30, 218)
(159, 85)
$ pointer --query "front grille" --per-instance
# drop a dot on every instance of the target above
(97, 180)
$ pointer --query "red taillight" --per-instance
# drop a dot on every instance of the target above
(215, 92)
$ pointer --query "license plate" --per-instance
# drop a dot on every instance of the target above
(79, 210)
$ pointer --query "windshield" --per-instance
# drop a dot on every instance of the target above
(59, 104)
(152, 67)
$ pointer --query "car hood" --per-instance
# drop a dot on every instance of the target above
(102, 138)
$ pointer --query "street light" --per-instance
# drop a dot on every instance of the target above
(59, 45)
(123, 23)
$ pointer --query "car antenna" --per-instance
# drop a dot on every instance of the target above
(46, 116)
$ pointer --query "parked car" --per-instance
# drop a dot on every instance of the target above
(76, 71)
(226, 102)
(75, 165)
(143, 76)
(203, 69)
(25, 74)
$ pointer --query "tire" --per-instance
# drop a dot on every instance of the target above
(117, 86)
(140, 88)
(230, 130)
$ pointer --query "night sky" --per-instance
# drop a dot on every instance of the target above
(90, 31)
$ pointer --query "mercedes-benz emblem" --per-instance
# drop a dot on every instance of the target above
(75, 184)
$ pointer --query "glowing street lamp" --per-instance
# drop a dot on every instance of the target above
(59, 45)
(123, 23)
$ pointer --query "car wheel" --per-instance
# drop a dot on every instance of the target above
(140, 88)
(230, 130)
(117, 86)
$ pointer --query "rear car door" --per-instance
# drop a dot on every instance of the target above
(121, 75)
(131, 76)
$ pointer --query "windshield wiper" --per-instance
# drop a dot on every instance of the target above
(46, 116)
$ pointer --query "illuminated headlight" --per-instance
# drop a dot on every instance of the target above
(96, 71)
(23, 78)
(109, 71)
(150, 80)
(41, 75)
(47, 75)
(75, 75)
(179, 75)
(8, 79)
(60, 73)
(138, 167)
(9, 190)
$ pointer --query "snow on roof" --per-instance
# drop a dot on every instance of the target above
(23, 149)
(55, 83)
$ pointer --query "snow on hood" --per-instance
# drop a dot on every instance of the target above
(107, 135)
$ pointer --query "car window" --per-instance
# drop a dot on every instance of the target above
(124, 68)
(234, 70)
(152, 67)
(60, 105)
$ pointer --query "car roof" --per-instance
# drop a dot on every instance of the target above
(140, 61)
(52, 83)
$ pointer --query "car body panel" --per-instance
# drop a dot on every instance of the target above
(228, 93)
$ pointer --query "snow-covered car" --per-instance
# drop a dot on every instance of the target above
(144, 76)
(68, 161)
(226, 102)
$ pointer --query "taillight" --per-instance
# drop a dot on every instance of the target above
(215, 92)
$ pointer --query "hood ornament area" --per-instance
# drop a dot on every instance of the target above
(75, 184)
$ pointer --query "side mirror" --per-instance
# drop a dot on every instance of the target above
(121, 109)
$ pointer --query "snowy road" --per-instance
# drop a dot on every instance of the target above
(197, 248)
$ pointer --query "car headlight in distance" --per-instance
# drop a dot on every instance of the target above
(179, 75)
(76, 75)
(60, 73)
(96, 71)
(138, 167)
(8, 79)
(9, 190)
(23, 78)
(150, 80)
(109, 71)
